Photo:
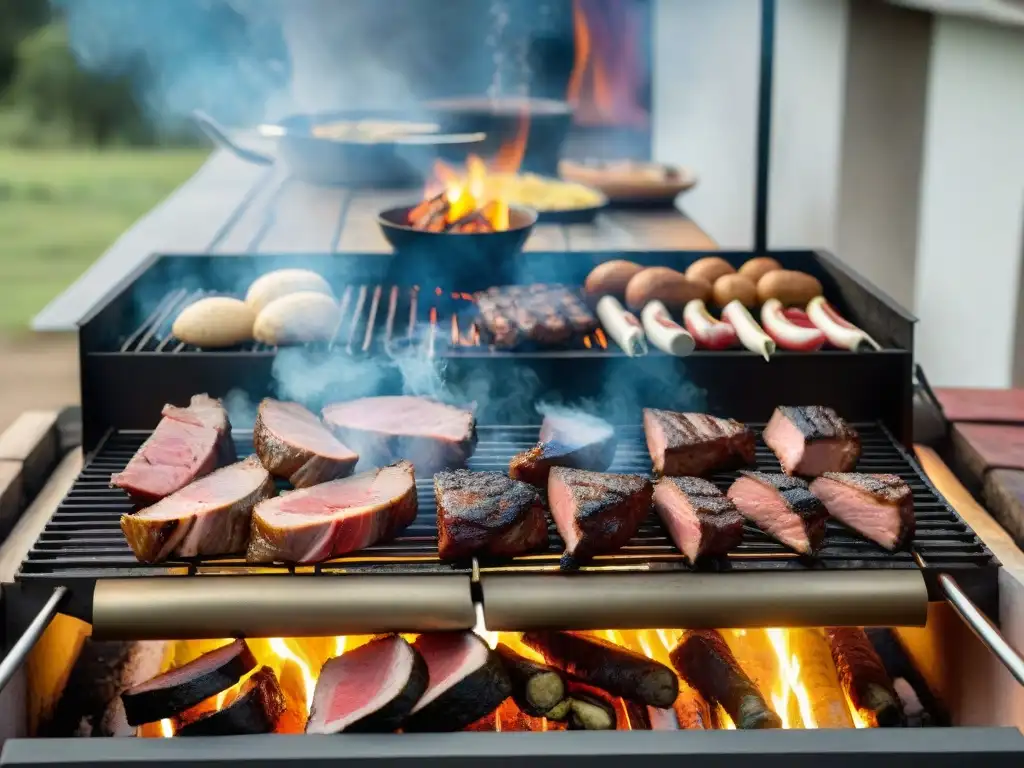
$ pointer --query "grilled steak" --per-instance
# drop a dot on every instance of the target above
(293, 444)
(862, 675)
(810, 440)
(187, 444)
(255, 709)
(331, 519)
(782, 507)
(596, 513)
(370, 689)
(432, 435)
(208, 517)
(696, 443)
(567, 439)
(467, 682)
(487, 513)
(542, 314)
(878, 507)
(701, 520)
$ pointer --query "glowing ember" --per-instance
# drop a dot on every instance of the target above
(166, 729)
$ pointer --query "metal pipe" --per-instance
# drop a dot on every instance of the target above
(986, 631)
(209, 607)
(19, 651)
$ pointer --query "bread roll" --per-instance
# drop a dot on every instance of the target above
(282, 282)
(214, 323)
(755, 269)
(709, 269)
(671, 288)
(611, 278)
(793, 289)
(729, 287)
(297, 318)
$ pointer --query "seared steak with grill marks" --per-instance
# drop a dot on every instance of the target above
(187, 443)
(782, 507)
(567, 439)
(208, 517)
(878, 507)
(701, 520)
(295, 445)
(327, 520)
(810, 440)
(596, 513)
(696, 443)
(487, 513)
(432, 435)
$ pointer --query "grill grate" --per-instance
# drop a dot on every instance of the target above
(83, 540)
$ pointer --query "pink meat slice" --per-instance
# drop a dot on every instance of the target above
(295, 445)
(879, 507)
(701, 520)
(782, 507)
(695, 444)
(208, 517)
(451, 657)
(332, 519)
(811, 440)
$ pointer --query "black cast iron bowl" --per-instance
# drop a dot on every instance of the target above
(447, 256)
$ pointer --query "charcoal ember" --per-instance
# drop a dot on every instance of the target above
(547, 315)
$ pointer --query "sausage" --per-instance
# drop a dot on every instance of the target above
(755, 269)
(793, 289)
(709, 269)
(749, 332)
(610, 278)
(790, 328)
(623, 327)
(666, 285)
(839, 332)
(729, 287)
(708, 332)
(664, 332)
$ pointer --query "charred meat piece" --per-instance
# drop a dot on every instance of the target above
(254, 710)
(178, 689)
(810, 440)
(608, 666)
(863, 676)
(467, 681)
(293, 444)
(705, 662)
(596, 513)
(547, 315)
(701, 520)
(432, 435)
(327, 520)
(878, 507)
(209, 517)
(536, 688)
(370, 689)
(187, 444)
(487, 513)
(567, 439)
(696, 443)
(782, 507)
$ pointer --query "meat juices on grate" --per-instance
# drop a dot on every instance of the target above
(331, 519)
(810, 440)
(782, 507)
(294, 444)
(695, 443)
(208, 517)
(701, 520)
(430, 434)
(543, 314)
(596, 513)
(487, 513)
(878, 507)
(370, 689)
(575, 440)
(186, 444)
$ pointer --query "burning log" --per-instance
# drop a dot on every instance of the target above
(704, 660)
(608, 666)
(421, 216)
(591, 709)
(818, 673)
(863, 677)
(536, 688)
(255, 709)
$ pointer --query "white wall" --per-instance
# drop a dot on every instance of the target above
(972, 204)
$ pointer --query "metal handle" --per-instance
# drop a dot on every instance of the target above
(986, 631)
(19, 651)
(220, 137)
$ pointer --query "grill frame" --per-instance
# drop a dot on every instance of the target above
(111, 400)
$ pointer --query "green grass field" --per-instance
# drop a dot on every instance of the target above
(61, 209)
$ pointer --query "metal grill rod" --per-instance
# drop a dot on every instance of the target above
(985, 630)
(19, 651)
